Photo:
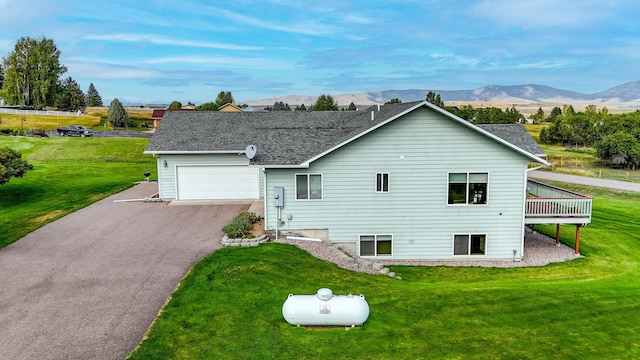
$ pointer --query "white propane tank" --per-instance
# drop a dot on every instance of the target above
(324, 308)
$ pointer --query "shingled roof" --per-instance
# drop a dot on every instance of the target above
(282, 138)
(515, 134)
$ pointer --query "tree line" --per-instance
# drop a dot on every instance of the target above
(31, 77)
(615, 137)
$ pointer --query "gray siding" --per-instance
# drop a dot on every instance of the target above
(167, 175)
(417, 150)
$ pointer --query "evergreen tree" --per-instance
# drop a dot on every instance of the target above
(279, 106)
(70, 96)
(117, 116)
(301, 107)
(352, 107)
(325, 103)
(32, 71)
(93, 97)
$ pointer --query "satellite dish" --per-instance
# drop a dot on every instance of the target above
(250, 151)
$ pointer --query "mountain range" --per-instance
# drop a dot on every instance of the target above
(627, 95)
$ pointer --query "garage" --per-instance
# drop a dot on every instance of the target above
(217, 182)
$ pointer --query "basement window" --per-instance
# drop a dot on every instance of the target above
(375, 245)
(465, 245)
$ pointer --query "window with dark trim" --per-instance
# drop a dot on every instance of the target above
(467, 188)
(375, 245)
(465, 244)
(308, 187)
(382, 182)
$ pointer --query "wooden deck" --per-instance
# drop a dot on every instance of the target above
(547, 204)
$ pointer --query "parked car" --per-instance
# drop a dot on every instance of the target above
(75, 130)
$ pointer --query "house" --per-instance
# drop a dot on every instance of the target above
(156, 117)
(399, 181)
(230, 107)
(158, 114)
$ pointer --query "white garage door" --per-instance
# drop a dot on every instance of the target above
(217, 182)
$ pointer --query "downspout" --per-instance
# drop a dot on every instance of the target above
(264, 194)
(524, 206)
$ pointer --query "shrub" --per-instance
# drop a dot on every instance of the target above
(240, 226)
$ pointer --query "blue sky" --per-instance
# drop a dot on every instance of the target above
(189, 50)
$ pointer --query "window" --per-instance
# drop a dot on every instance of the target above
(382, 182)
(308, 187)
(375, 245)
(468, 188)
(469, 244)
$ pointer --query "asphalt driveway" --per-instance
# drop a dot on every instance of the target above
(88, 285)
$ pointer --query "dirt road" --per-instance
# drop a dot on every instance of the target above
(583, 180)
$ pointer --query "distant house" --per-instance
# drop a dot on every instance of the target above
(398, 181)
(157, 115)
(230, 107)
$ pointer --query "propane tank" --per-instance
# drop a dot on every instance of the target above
(324, 308)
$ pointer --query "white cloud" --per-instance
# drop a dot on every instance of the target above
(234, 62)
(159, 40)
(308, 27)
(540, 13)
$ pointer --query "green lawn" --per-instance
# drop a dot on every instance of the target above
(229, 307)
(68, 174)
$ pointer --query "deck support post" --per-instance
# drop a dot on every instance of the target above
(577, 239)
(557, 234)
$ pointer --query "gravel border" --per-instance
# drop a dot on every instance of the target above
(539, 250)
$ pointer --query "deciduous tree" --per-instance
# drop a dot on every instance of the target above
(224, 97)
(210, 106)
(12, 165)
(435, 99)
(32, 71)
(325, 103)
(175, 105)
(621, 149)
(394, 101)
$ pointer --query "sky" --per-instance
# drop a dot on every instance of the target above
(190, 50)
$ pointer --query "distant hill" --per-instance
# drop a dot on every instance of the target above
(625, 93)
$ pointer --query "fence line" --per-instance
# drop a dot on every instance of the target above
(39, 112)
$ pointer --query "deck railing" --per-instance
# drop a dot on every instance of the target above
(550, 203)
(558, 207)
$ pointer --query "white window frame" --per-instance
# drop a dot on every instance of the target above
(308, 175)
(375, 242)
(469, 239)
(382, 175)
(466, 194)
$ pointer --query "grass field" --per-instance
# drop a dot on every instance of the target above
(229, 306)
(68, 174)
(94, 118)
